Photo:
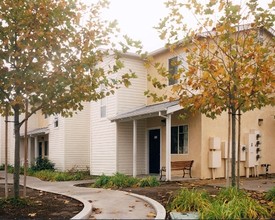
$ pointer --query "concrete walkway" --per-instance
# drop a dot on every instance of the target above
(109, 204)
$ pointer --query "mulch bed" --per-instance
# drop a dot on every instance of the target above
(41, 205)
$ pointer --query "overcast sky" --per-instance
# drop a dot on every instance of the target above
(137, 18)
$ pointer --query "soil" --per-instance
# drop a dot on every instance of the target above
(41, 205)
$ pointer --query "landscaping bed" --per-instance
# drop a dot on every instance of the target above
(40, 205)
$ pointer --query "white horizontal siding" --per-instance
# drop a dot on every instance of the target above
(103, 139)
(125, 147)
(57, 143)
(11, 140)
(77, 138)
(133, 96)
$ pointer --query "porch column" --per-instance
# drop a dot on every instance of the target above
(29, 151)
(36, 150)
(134, 148)
(168, 147)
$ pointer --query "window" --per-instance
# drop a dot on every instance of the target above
(179, 139)
(55, 121)
(261, 35)
(173, 70)
(103, 107)
(103, 102)
(46, 149)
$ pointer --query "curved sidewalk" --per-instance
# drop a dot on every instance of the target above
(109, 204)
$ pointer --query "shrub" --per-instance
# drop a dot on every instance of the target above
(190, 200)
(46, 175)
(270, 195)
(10, 168)
(150, 181)
(102, 181)
(119, 180)
(42, 164)
(232, 203)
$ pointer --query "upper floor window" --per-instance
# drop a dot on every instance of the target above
(55, 121)
(173, 70)
(179, 139)
(103, 103)
(103, 107)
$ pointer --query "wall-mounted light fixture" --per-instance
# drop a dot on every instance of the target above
(260, 121)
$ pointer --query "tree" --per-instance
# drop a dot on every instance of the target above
(229, 64)
(50, 55)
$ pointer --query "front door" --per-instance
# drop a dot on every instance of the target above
(154, 151)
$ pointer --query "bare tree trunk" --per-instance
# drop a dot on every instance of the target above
(228, 149)
(233, 164)
(16, 153)
(26, 151)
(239, 149)
(6, 152)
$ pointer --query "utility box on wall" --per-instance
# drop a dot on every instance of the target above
(224, 149)
(214, 143)
(250, 141)
(215, 160)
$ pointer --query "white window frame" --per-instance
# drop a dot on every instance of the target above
(103, 103)
(185, 148)
(173, 70)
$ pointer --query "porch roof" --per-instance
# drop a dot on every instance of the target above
(160, 109)
(37, 131)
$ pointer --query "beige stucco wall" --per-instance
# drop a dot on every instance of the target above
(194, 141)
(249, 121)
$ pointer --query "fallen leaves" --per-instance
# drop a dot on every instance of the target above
(32, 214)
(151, 215)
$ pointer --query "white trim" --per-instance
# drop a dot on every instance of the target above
(168, 147)
(173, 109)
(134, 148)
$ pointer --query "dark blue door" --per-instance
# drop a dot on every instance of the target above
(154, 151)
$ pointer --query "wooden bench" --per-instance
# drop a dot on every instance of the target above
(185, 166)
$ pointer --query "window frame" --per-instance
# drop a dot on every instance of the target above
(173, 70)
(185, 147)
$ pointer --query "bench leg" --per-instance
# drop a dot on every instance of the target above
(160, 177)
(189, 170)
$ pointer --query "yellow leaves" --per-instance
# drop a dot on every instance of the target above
(221, 6)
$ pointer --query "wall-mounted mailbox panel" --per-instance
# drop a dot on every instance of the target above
(215, 159)
(250, 141)
(224, 149)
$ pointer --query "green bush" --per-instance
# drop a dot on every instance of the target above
(46, 175)
(189, 200)
(120, 180)
(101, 181)
(150, 181)
(237, 208)
(270, 195)
(230, 203)
(117, 181)
(43, 164)
(50, 175)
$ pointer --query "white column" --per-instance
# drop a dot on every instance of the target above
(134, 148)
(168, 148)
(29, 151)
(36, 152)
